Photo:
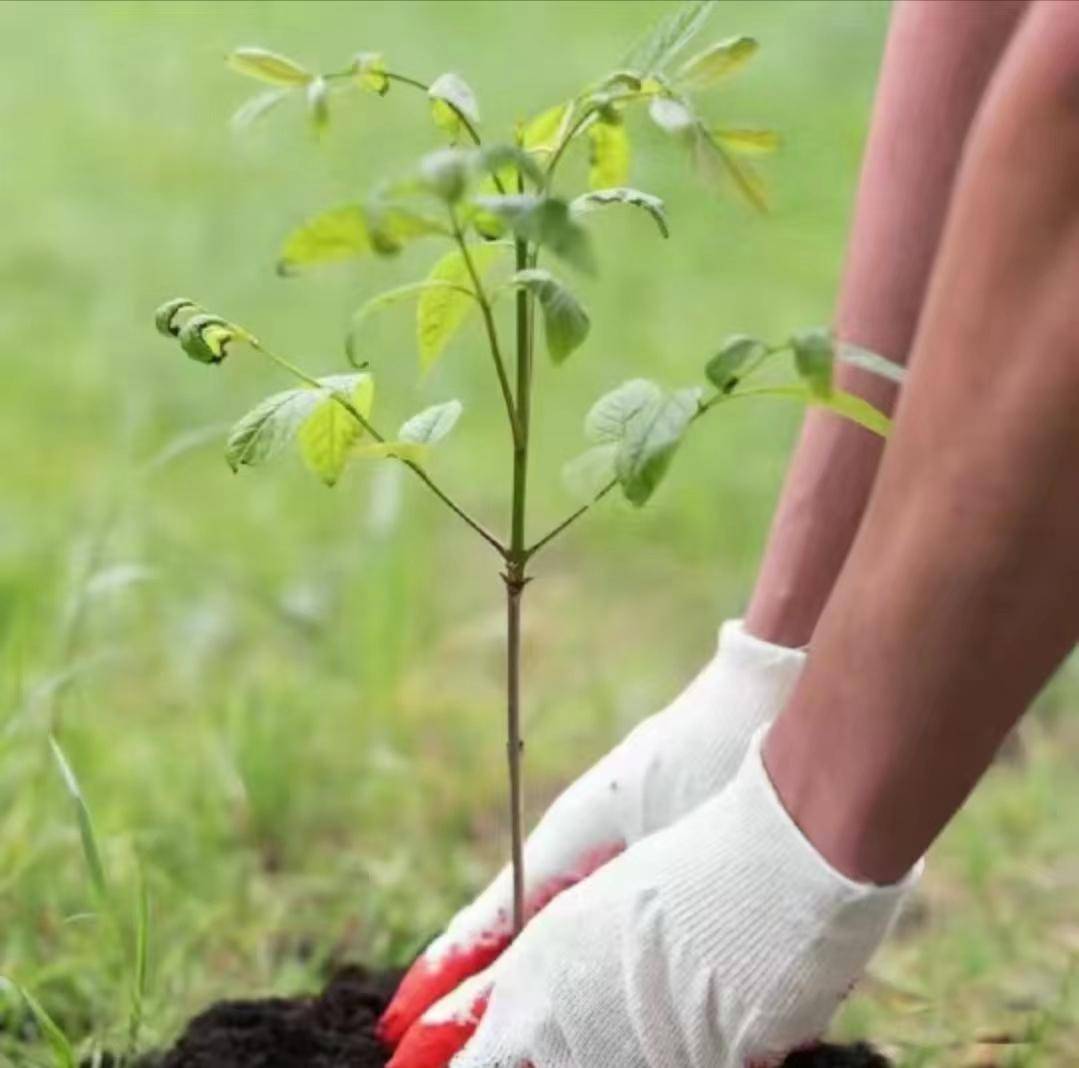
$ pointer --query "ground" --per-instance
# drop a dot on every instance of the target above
(282, 702)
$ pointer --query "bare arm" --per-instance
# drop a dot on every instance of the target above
(961, 593)
(939, 58)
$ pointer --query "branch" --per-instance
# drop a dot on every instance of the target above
(569, 520)
(492, 331)
(360, 418)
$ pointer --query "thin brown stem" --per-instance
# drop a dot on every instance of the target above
(364, 422)
(515, 584)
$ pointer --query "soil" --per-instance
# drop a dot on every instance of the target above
(335, 1029)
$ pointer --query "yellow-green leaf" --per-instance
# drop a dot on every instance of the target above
(443, 308)
(545, 132)
(350, 230)
(716, 62)
(330, 431)
(608, 159)
(747, 142)
(269, 67)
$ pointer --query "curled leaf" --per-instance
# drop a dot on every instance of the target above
(270, 67)
(206, 337)
(166, 315)
(369, 72)
(598, 198)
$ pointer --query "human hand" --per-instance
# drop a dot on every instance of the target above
(667, 766)
(723, 941)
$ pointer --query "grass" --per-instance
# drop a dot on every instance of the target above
(282, 704)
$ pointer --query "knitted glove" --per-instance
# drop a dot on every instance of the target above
(667, 766)
(725, 941)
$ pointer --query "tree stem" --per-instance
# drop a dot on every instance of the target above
(516, 580)
(515, 584)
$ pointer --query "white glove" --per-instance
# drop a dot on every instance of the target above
(724, 941)
(667, 766)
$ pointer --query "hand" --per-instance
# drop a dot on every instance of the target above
(663, 769)
(724, 941)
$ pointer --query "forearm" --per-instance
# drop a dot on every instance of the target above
(938, 60)
(961, 593)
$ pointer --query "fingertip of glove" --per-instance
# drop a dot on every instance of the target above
(433, 1044)
(429, 981)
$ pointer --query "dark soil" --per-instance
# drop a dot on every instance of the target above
(335, 1029)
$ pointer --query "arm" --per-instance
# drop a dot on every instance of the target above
(961, 593)
(938, 59)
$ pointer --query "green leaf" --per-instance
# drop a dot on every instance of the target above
(351, 230)
(650, 441)
(166, 315)
(140, 962)
(206, 337)
(268, 67)
(716, 62)
(716, 163)
(318, 103)
(585, 476)
(544, 133)
(447, 299)
(662, 44)
(497, 159)
(329, 432)
(671, 116)
(452, 97)
(269, 427)
(445, 172)
(871, 362)
(369, 72)
(745, 141)
(598, 198)
(736, 351)
(94, 864)
(252, 109)
(565, 322)
(814, 357)
(383, 300)
(62, 1051)
(431, 425)
(608, 418)
(608, 153)
(842, 403)
(545, 221)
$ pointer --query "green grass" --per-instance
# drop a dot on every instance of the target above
(282, 703)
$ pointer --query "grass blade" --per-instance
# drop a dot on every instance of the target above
(62, 1052)
(86, 824)
(140, 964)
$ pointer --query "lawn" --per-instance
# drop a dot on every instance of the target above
(283, 702)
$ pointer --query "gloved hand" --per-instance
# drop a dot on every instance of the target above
(725, 941)
(667, 766)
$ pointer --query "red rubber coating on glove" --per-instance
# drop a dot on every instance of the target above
(428, 981)
(434, 1045)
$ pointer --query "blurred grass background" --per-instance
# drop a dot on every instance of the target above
(283, 703)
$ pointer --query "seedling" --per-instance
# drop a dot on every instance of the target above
(508, 226)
